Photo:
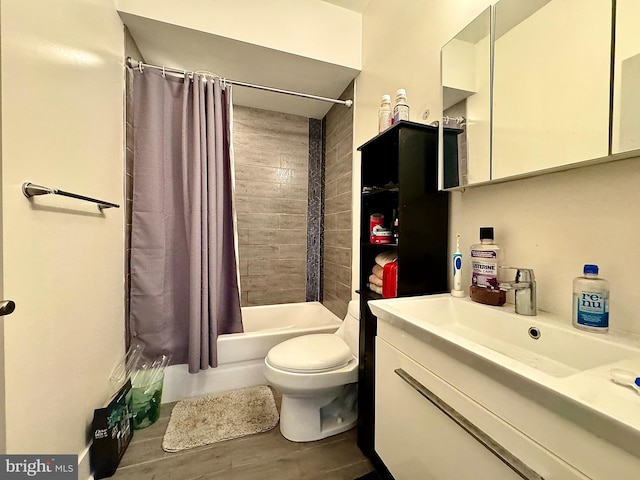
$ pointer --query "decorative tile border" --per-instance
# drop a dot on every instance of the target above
(315, 211)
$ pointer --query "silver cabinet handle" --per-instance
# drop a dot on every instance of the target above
(509, 459)
(7, 307)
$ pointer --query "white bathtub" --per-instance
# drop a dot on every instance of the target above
(241, 355)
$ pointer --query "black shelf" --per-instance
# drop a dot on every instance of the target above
(380, 246)
(403, 158)
(378, 190)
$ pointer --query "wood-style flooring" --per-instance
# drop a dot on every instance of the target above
(265, 456)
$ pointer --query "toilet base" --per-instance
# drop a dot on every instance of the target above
(309, 418)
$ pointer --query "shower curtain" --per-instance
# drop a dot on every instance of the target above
(184, 277)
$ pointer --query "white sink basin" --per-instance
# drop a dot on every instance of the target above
(559, 349)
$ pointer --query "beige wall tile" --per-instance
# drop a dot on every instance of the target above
(277, 237)
(271, 267)
(292, 221)
(275, 297)
(249, 252)
(248, 173)
(330, 221)
(271, 157)
(341, 256)
(256, 189)
(343, 220)
(330, 189)
(258, 220)
(336, 305)
(337, 238)
(337, 207)
(343, 183)
(291, 252)
(293, 191)
(339, 203)
(288, 205)
(245, 204)
(272, 281)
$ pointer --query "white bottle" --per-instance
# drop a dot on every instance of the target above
(401, 108)
(486, 257)
(591, 301)
(384, 114)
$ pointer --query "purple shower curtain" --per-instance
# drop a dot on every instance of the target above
(184, 278)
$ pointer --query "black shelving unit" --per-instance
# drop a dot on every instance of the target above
(399, 172)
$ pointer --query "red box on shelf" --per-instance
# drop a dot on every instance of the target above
(390, 280)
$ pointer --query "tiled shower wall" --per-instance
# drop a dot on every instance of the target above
(337, 206)
(271, 166)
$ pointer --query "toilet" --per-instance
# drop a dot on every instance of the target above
(317, 376)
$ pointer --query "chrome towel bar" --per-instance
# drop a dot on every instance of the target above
(29, 189)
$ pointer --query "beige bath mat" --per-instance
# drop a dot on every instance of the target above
(222, 416)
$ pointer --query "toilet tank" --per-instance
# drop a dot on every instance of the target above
(350, 328)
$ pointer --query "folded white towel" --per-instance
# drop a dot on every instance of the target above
(386, 257)
(378, 271)
(375, 288)
(377, 281)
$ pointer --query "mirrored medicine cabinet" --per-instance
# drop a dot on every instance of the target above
(466, 97)
(531, 87)
(626, 80)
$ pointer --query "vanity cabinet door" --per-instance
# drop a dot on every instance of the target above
(415, 439)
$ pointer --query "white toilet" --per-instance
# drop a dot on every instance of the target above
(317, 376)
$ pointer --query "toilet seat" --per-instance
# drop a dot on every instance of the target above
(317, 353)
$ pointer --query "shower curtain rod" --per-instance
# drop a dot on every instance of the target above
(140, 65)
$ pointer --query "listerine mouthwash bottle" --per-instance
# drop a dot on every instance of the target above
(485, 259)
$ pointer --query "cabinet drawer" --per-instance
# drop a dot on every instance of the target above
(415, 439)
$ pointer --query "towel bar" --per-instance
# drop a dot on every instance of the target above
(29, 189)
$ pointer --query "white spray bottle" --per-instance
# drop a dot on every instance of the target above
(457, 271)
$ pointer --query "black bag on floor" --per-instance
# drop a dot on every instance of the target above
(112, 432)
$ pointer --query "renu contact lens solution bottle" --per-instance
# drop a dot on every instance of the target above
(591, 301)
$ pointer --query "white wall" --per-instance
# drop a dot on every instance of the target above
(309, 28)
(62, 126)
(553, 223)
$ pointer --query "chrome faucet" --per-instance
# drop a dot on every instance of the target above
(524, 287)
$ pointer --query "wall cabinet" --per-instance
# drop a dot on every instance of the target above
(547, 105)
(399, 174)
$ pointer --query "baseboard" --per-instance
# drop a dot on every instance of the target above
(84, 464)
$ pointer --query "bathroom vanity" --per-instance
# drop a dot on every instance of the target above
(468, 391)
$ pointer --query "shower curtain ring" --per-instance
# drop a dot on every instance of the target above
(163, 74)
(140, 66)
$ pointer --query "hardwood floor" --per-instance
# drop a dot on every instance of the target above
(263, 456)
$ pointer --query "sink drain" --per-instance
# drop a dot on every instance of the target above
(534, 333)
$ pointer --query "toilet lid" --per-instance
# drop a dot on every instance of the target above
(310, 353)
